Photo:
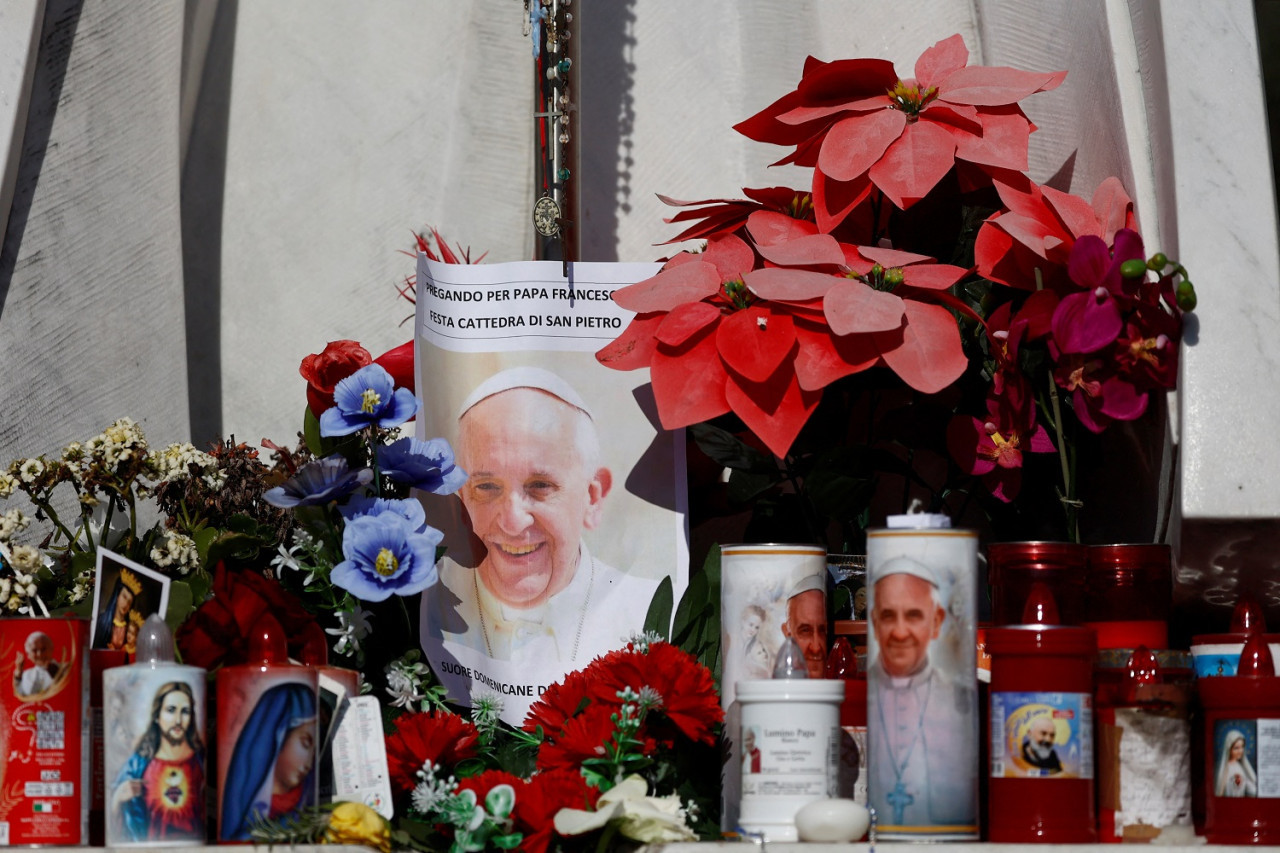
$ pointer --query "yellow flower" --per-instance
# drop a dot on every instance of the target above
(356, 823)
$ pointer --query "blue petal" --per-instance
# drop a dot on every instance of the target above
(335, 422)
(402, 406)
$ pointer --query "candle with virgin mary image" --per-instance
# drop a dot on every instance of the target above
(267, 737)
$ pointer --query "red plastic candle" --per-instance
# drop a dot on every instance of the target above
(1242, 742)
(1041, 710)
(1144, 706)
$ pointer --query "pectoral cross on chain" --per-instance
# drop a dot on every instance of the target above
(899, 799)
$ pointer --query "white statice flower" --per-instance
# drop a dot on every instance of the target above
(303, 539)
(8, 483)
(73, 452)
(118, 443)
(175, 461)
(353, 627)
(12, 522)
(83, 587)
(214, 479)
(30, 469)
(178, 551)
(26, 561)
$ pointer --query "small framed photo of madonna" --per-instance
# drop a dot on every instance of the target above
(125, 594)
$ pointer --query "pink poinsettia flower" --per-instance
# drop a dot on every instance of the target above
(1040, 225)
(860, 124)
(712, 347)
(714, 217)
(993, 447)
(880, 293)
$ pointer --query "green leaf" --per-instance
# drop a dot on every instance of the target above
(730, 451)
(181, 603)
(311, 432)
(658, 619)
(507, 842)
(204, 538)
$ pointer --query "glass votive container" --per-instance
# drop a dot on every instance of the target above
(1130, 595)
(1014, 567)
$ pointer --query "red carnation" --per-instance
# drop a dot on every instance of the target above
(558, 704)
(541, 797)
(688, 690)
(444, 739)
(582, 737)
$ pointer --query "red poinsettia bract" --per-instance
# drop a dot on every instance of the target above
(859, 124)
(1040, 225)
(442, 738)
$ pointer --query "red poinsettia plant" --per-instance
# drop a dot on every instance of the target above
(922, 316)
(626, 745)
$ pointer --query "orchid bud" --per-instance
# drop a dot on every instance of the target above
(1158, 261)
(1133, 268)
(1186, 295)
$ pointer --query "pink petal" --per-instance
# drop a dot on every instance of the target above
(1076, 213)
(673, 285)
(989, 86)
(965, 436)
(932, 276)
(1083, 322)
(914, 164)
(685, 321)
(689, 384)
(930, 356)
(1122, 401)
(768, 228)
(834, 200)
(816, 250)
(1113, 207)
(943, 58)
(890, 258)
(1004, 483)
(754, 342)
(960, 119)
(634, 347)
(853, 145)
(823, 358)
(731, 257)
(1002, 143)
(788, 285)
(1040, 442)
(852, 307)
(802, 115)
(1089, 261)
(775, 410)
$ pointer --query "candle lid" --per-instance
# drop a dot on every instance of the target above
(155, 641)
(267, 642)
(315, 646)
(1246, 618)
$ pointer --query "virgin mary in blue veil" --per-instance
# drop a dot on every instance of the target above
(250, 789)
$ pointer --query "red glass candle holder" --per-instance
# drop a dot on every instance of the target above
(1130, 595)
(1013, 568)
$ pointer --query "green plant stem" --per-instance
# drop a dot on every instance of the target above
(1069, 504)
(49, 512)
(606, 838)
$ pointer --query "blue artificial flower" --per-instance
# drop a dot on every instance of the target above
(318, 482)
(426, 465)
(385, 555)
(368, 396)
(410, 509)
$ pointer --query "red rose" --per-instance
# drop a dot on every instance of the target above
(326, 369)
(399, 363)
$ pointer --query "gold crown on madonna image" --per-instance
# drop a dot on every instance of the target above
(131, 581)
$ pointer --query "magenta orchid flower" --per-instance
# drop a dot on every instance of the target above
(993, 447)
